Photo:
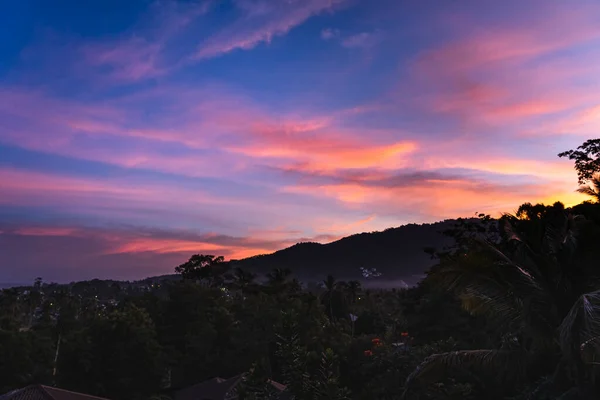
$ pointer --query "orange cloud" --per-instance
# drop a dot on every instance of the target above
(437, 198)
(45, 231)
(324, 155)
(142, 240)
(166, 246)
(226, 122)
(543, 170)
(162, 246)
(346, 228)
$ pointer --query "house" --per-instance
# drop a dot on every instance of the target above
(221, 389)
(41, 392)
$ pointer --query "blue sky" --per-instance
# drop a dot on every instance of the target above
(134, 134)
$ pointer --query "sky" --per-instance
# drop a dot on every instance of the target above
(136, 133)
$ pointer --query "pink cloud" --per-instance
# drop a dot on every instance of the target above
(189, 247)
(125, 252)
(556, 29)
(45, 231)
(248, 135)
(127, 201)
(349, 227)
(71, 193)
(244, 132)
(129, 60)
(583, 122)
(512, 72)
(140, 55)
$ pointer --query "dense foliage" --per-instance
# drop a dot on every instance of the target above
(511, 310)
(135, 344)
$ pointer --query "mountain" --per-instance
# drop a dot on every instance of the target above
(397, 253)
(6, 285)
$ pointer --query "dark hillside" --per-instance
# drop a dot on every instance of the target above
(398, 253)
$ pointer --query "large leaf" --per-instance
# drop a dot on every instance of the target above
(506, 366)
(488, 282)
(592, 190)
(580, 330)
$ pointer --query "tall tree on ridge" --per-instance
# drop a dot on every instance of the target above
(204, 268)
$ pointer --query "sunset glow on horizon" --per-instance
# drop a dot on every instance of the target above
(134, 134)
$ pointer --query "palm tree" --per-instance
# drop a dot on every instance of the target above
(278, 276)
(541, 287)
(242, 279)
(10, 308)
(34, 299)
(592, 190)
(330, 285)
(353, 289)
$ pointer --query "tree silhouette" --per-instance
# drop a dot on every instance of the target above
(593, 189)
(116, 355)
(278, 277)
(242, 279)
(10, 309)
(204, 268)
(34, 299)
(353, 289)
(535, 286)
(330, 285)
(587, 159)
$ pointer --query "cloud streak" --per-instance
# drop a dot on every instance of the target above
(260, 23)
(134, 57)
(91, 248)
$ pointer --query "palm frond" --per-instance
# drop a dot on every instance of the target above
(487, 273)
(580, 329)
(498, 305)
(503, 365)
(589, 191)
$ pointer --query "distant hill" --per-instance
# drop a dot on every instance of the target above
(5, 285)
(397, 253)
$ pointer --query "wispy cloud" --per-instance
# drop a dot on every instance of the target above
(361, 40)
(502, 74)
(128, 60)
(233, 125)
(134, 252)
(261, 22)
(110, 198)
(329, 33)
(140, 54)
